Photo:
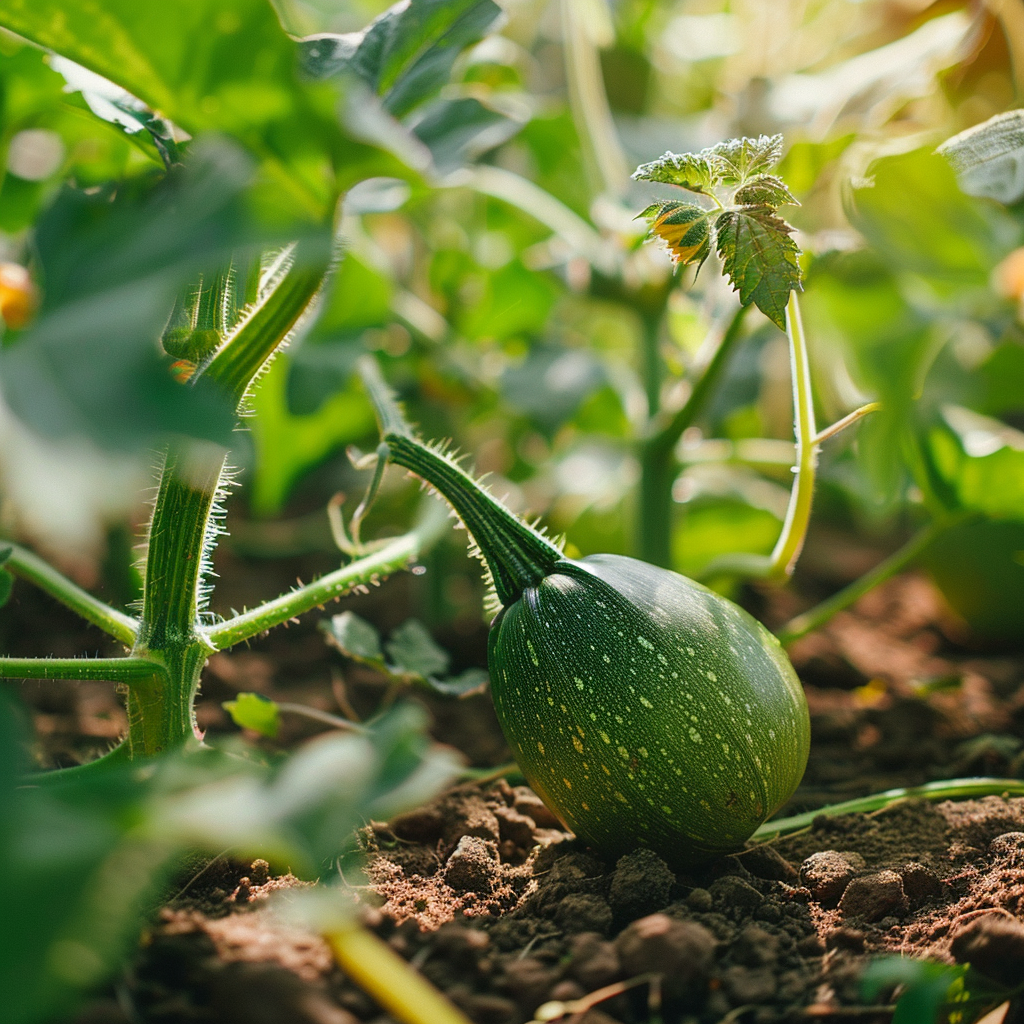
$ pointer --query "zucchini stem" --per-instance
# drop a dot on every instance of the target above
(517, 556)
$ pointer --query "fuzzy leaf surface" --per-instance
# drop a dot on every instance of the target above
(741, 159)
(696, 172)
(765, 190)
(760, 258)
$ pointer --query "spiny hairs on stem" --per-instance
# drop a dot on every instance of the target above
(215, 528)
(445, 450)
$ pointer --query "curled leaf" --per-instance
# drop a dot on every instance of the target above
(762, 261)
(684, 228)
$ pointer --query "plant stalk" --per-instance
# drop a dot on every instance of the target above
(517, 556)
(656, 454)
(946, 789)
(368, 569)
(30, 567)
(810, 620)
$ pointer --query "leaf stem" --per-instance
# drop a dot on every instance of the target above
(122, 670)
(804, 623)
(778, 566)
(29, 567)
(798, 514)
(657, 465)
(368, 569)
(946, 789)
(399, 989)
(848, 420)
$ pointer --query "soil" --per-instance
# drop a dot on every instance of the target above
(487, 895)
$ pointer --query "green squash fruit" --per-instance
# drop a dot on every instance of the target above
(643, 708)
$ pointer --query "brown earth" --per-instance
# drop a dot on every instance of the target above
(498, 906)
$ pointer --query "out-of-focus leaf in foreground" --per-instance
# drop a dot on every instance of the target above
(406, 54)
(111, 266)
(207, 65)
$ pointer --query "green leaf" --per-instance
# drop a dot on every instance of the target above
(983, 459)
(112, 263)
(256, 712)
(914, 214)
(458, 131)
(207, 65)
(684, 228)
(696, 172)
(740, 159)
(6, 586)
(927, 985)
(355, 638)
(988, 159)
(470, 681)
(406, 54)
(764, 190)
(412, 649)
(760, 258)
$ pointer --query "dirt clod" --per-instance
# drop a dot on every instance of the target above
(827, 874)
(680, 951)
(641, 884)
(994, 946)
(874, 897)
(471, 865)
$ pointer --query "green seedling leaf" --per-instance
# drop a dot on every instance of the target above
(696, 172)
(988, 159)
(760, 258)
(256, 712)
(6, 586)
(684, 228)
(406, 54)
(741, 159)
(413, 656)
(764, 190)
(355, 638)
(412, 649)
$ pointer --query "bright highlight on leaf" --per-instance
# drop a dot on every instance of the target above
(256, 712)
(684, 228)
(765, 190)
(696, 172)
(740, 159)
